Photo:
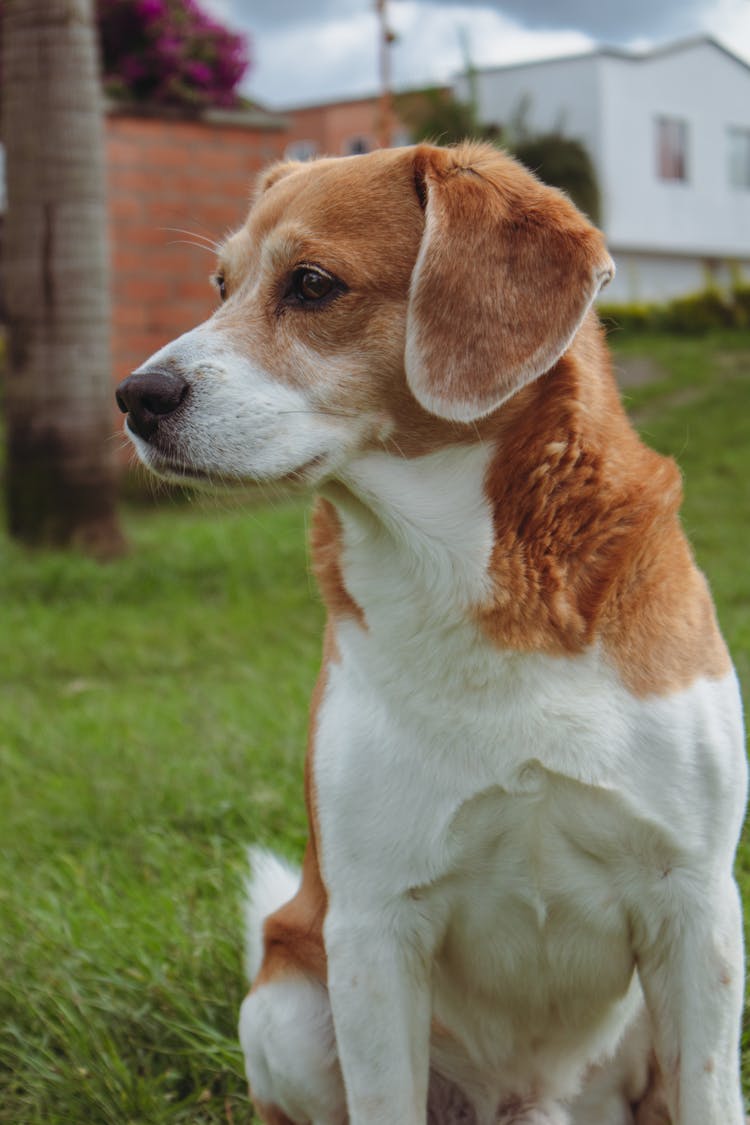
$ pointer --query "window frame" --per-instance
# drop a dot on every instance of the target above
(738, 158)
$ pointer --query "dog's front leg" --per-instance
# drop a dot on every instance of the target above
(378, 978)
(692, 977)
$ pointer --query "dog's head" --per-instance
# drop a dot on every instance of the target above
(365, 299)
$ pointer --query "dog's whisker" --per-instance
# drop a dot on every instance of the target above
(392, 441)
(322, 412)
(194, 234)
(189, 242)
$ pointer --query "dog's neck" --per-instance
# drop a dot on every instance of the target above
(524, 526)
(418, 528)
(422, 529)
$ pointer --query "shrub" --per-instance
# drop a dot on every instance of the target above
(435, 115)
(564, 163)
(696, 314)
(741, 301)
(169, 52)
(693, 315)
(632, 317)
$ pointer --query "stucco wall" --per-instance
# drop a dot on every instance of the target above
(704, 215)
(559, 95)
(659, 277)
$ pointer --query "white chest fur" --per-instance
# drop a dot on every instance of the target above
(516, 832)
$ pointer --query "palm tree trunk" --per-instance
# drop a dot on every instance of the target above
(61, 470)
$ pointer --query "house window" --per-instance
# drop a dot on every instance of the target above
(739, 157)
(356, 146)
(672, 148)
(301, 150)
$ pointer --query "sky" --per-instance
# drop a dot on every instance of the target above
(308, 51)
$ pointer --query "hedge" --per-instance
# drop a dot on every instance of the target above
(693, 315)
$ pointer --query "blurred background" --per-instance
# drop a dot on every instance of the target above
(157, 650)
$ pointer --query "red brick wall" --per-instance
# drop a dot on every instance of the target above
(195, 175)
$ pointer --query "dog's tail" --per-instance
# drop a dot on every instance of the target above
(270, 883)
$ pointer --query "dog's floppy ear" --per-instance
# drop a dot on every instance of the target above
(506, 271)
(273, 173)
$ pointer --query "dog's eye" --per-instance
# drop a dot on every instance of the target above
(310, 285)
(221, 285)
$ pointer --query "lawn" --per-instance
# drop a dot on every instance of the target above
(153, 724)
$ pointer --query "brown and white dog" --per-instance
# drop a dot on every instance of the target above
(525, 778)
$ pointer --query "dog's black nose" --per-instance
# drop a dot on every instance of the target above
(148, 396)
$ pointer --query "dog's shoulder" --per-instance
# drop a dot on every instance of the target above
(589, 547)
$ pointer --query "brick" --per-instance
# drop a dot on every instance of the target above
(198, 290)
(170, 320)
(124, 208)
(220, 219)
(228, 159)
(185, 213)
(125, 259)
(147, 290)
(139, 180)
(120, 151)
(148, 236)
(129, 315)
(132, 347)
(174, 158)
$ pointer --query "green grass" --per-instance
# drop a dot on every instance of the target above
(699, 413)
(154, 715)
(153, 723)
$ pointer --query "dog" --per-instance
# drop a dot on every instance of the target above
(525, 776)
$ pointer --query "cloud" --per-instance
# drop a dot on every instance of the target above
(607, 22)
(320, 60)
(309, 62)
(433, 40)
(325, 51)
(302, 13)
(600, 19)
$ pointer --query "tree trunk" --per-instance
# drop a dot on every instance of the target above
(61, 470)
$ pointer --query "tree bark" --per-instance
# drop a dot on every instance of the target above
(61, 479)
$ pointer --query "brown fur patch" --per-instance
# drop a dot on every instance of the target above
(325, 548)
(293, 935)
(588, 543)
(652, 1108)
(270, 1114)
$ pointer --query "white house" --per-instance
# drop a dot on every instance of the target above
(669, 134)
